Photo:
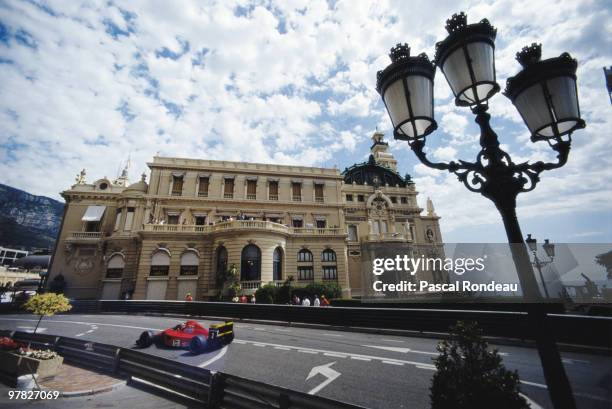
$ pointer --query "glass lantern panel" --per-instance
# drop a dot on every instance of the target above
(421, 95)
(395, 100)
(564, 98)
(482, 56)
(456, 70)
(533, 107)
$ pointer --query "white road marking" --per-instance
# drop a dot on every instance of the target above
(306, 350)
(575, 361)
(539, 385)
(393, 363)
(83, 323)
(332, 335)
(400, 350)
(430, 367)
(393, 340)
(80, 335)
(334, 355)
(531, 403)
(283, 348)
(31, 329)
(259, 345)
(239, 341)
(358, 358)
(214, 358)
(325, 370)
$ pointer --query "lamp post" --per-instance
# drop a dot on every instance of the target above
(549, 249)
(545, 95)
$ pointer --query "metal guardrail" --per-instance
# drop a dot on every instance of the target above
(215, 390)
(568, 329)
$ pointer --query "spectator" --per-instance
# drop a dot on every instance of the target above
(324, 301)
(253, 299)
(306, 302)
(296, 300)
(316, 302)
(188, 297)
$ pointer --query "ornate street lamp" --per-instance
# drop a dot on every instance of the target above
(545, 95)
(549, 249)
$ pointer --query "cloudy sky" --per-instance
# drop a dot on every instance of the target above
(85, 84)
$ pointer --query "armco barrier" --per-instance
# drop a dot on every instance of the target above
(214, 390)
(568, 329)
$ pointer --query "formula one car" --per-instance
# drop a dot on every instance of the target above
(190, 335)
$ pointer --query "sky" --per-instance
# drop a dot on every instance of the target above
(89, 84)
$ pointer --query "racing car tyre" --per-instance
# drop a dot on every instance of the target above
(198, 344)
(146, 339)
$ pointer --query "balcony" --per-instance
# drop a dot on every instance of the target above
(84, 236)
(319, 199)
(251, 197)
(228, 195)
(244, 225)
(273, 197)
(388, 237)
(250, 285)
(203, 194)
(297, 198)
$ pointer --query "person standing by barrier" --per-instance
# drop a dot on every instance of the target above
(316, 302)
(253, 300)
(188, 297)
(306, 302)
(324, 301)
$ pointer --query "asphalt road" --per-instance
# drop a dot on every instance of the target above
(377, 371)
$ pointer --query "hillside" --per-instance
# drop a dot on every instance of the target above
(28, 221)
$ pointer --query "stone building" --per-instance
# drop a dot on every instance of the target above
(170, 237)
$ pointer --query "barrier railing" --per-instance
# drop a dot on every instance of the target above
(215, 390)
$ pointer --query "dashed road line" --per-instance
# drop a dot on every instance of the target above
(394, 363)
(283, 348)
(335, 355)
(358, 358)
(306, 351)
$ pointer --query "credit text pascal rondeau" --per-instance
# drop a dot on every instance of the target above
(411, 265)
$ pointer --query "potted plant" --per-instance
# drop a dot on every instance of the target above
(16, 360)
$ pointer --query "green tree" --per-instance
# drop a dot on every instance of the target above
(47, 305)
(470, 376)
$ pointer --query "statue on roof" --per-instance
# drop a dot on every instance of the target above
(430, 208)
(80, 177)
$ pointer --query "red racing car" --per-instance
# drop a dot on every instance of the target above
(190, 335)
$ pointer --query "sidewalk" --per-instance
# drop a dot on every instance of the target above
(76, 381)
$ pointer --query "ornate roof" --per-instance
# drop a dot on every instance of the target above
(374, 175)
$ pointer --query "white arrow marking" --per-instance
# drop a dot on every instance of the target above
(400, 350)
(326, 371)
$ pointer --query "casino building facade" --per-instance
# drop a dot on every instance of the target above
(170, 237)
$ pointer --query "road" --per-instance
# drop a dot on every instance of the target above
(372, 370)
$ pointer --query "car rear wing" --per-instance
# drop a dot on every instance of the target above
(220, 332)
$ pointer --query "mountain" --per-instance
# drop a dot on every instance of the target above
(28, 221)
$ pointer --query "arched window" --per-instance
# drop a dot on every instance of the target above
(277, 264)
(189, 263)
(250, 266)
(305, 269)
(328, 255)
(330, 270)
(304, 255)
(160, 263)
(221, 259)
(114, 268)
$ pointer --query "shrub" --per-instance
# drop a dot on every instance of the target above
(47, 305)
(469, 376)
(266, 294)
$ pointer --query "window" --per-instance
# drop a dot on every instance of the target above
(383, 226)
(277, 264)
(160, 264)
(349, 198)
(404, 200)
(117, 220)
(173, 219)
(189, 263)
(360, 198)
(200, 220)
(393, 199)
(319, 193)
(330, 273)
(296, 190)
(221, 260)
(129, 219)
(228, 188)
(328, 255)
(114, 268)
(250, 266)
(92, 226)
(321, 223)
(305, 273)
(297, 223)
(305, 255)
(273, 195)
(203, 186)
(251, 189)
(177, 185)
(352, 232)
